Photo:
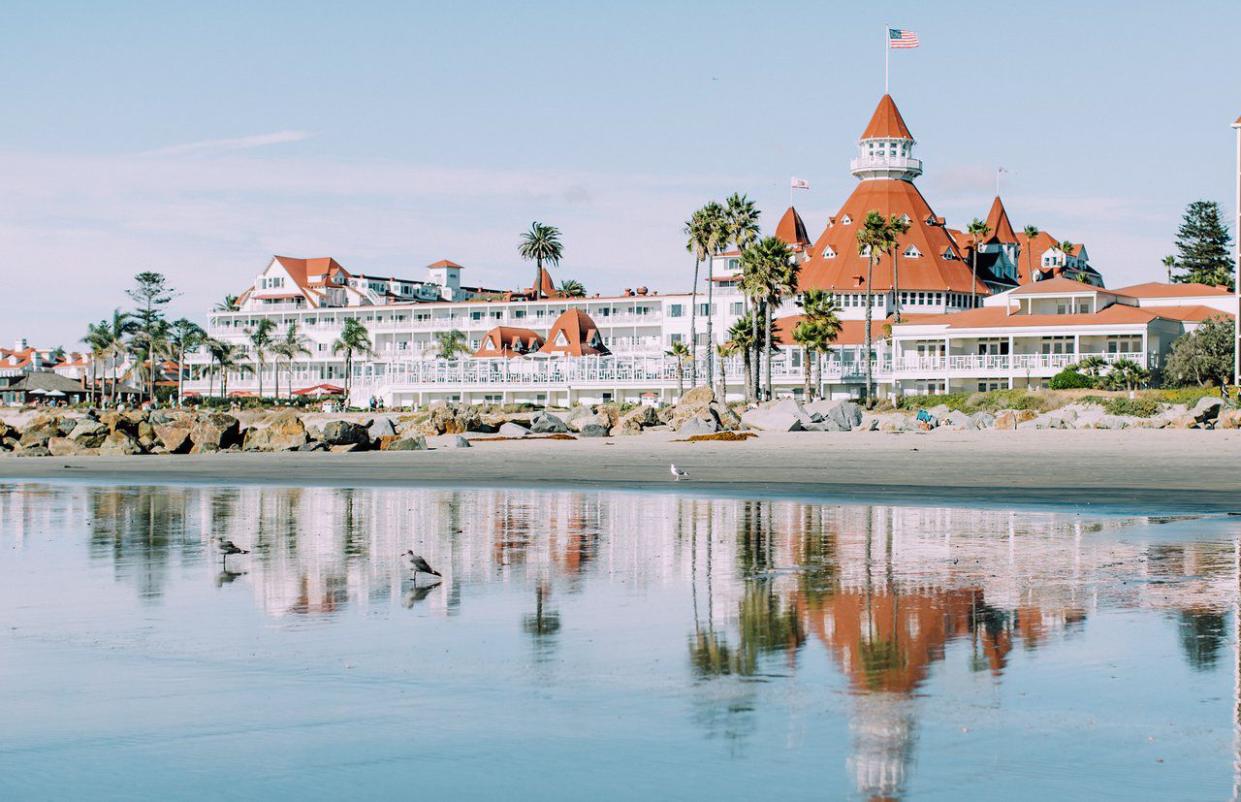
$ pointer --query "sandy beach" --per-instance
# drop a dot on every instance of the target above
(1167, 469)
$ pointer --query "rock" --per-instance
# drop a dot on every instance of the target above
(578, 417)
(634, 421)
(174, 438)
(1183, 422)
(698, 396)
(697, 403)
(789, 406)
(1229, 419)
(896, 423)
(120, 443)
(33, 451)
(39, 431)
(314, 445)
(956, 421)
(214, 429)
(457, 441)
(119, 421)
(1009, 418)
(593, 430)
(1044, 422)
(939, 411)
(1207, 409)
(88, 433)
(285, 432)
(706, 424)
(407, 443)
(771, 420)
(346, 433)
(594, 419)
(346, 448)
(729, 419)
(63, 447)
(380, 427)
(445, 419)
(547, 423)
(1114, 422)
(510, 429)
(983, 420)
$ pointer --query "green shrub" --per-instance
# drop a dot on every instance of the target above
(1137, 407)
(1071, 379)
(1183, 395)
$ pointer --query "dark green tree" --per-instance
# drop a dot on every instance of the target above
(1203, 356)
(1202, 241)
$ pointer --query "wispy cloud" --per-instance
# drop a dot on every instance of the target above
(225, 145)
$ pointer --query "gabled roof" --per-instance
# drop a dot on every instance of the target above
(446, 263)
(1159, 289)
(1060, 286)
(792, 231)
(48, 381)
(886, 122)
(502, 341)
(301, 269)
(846, 271)
(997, 221)
(1030, 260)
(852, 332)
(992, 316)
(1190, 313)
(574, 334)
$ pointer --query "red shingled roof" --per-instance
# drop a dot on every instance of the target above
(792, 231)
(503, 341)
(997, 221)
(852, 332)
(446, 263)
(574, 334)
(886, 122)
(846, 271)
(1159, 289)
(1060, 285)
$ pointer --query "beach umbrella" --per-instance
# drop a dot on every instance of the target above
(36, 391)
(55, 394)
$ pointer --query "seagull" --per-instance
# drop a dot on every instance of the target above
(228, 547)
(418, 565)
(678, 473)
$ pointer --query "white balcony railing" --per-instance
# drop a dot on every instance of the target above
(912, 365)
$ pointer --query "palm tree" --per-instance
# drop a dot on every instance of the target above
(723, 351)
(769, 274)
(1126, 374)
(541, 244)
(571, 288)
(291, 346)
(1169, 262)
(744, 341)
(899, 226)
(821, 311)
(353, 337)
(738, 225)
(184, 335)
(874, 237)
(701, 232)
(1091, 365)
(979, 230)
(682, 354)
(229, 357)
(114, 332)
(1067, 248)
(229, 304)
(1031, 232)
(261, 341)
(806, 335)
(96, 340)
(451, 343)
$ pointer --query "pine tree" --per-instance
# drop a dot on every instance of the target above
(1202, 247)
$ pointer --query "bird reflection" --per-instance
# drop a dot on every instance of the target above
(227, 577)
(416, 593)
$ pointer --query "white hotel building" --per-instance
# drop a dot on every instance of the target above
(1031, 309)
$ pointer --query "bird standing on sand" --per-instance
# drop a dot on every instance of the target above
(679, 474)
(418, 565)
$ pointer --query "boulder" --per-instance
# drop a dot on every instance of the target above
(547, 423)
(706, 424)
(174, 437)
(32, 451)
(896, 423)
(593, 430)
(1207, 409)
(1114, 422)
(1010, 418)
(119, 421)
(788, 406)
(771, 420)
(88, 433)
(407, 443)
(634, 421)
(457, 441)
(578, 417)
(64, 447)
(314, 445)
(1229, 419)
(696, 403)
(215, 430)
(120, 443)
(285, 432)
(696, 397)
(346, 448)
(1183, 422)
(489, 423)
(956, 421)
(1044, 422)
(39, 431)
(847, 415)
(728, 418)
(345, 433)
(600, 418)
(983, 420)
(380, 427)
(510, 429)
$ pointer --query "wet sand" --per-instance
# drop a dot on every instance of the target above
(1140, 470)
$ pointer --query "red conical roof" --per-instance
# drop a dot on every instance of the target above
(937, 267)
(997, 221)
(792, 231)
(887, 122)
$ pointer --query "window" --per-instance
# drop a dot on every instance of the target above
(912, 252)
(734, 264)
(828, 253)
(1124, 345)
(673, 339)
(704, 309)
(846, 220)
(519, 313)
(676, 310)
(737, 308)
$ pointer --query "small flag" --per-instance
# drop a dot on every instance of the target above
(799, 183)
(898, 38)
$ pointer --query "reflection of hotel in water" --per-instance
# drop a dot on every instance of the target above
(883, 589)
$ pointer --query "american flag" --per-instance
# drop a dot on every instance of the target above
(898, 38)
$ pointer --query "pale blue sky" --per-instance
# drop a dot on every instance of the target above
(198, 139)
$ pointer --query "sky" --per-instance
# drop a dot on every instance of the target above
(199, 139)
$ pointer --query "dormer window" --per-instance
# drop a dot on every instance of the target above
(912, 252)
(948, 254)
(846, 220)
(828, 253)
(905, 219)
(863, 250)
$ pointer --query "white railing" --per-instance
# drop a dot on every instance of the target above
(956, 363)
(885, 162)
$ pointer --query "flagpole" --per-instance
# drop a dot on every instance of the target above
(886, 48)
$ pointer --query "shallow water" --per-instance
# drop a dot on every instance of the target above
(607, 645)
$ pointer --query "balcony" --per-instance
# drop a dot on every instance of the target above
(993, 364)
(891, 164)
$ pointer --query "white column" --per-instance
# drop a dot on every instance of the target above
(1236, 233)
